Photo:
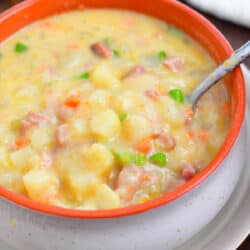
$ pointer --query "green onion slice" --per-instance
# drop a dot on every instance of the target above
(177, 95)
(20, 47)
(159, 159)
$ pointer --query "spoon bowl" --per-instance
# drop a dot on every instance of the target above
(237, 57)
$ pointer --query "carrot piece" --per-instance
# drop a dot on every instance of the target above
(72, 101)
(144, 146)
(203, 135)
(190, 134)
(226, 107)
(188, 116)
(20, 143)
(146, 177)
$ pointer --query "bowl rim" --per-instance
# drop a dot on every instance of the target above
(178, 192)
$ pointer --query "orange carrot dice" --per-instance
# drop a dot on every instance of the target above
(144, 146)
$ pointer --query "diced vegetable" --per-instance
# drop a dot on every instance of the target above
(123, 116)
(126, 157)
(144, 146)
(177, 95)
(41, 185)
(84, 75)
(188, 115)
(116, 53)
(98, 160)
(20, 143)
(107, 41)
(140, 159)
(103, 77)
(203, 135)
(20, 47)
(25, 158)
(159, 159)
(105, 124)
(99, 98)
(162, 55)
(136, 127)
(72, 101)
(106, 198)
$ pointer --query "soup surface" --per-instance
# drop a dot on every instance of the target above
(92, 110)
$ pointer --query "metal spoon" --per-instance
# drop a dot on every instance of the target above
(227, 66)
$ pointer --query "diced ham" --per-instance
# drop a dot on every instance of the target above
(165, 139)
(188, 171)
(47, 159)
(36, 118)
(62, 134)
(129, 181)
(137, 70)
(152, 94)
(32, 119)
(101, 50)
(174, 63)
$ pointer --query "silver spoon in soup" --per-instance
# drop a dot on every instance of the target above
(227, 66)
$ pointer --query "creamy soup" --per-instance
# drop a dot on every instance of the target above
(92, 110)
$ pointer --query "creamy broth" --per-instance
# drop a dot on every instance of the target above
(92, 110)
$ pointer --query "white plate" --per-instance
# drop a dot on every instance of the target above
(232, 225)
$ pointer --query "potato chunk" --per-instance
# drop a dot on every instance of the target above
(25, 158)
(41, 185)
(99, 98)
(81, 185)
(103, 77)
(172, 112)
(106, 198)
(127, 101)
(98, 159)
(103, 198)
(105, 125)
(136, 127)
(41, 137)
(78, 129)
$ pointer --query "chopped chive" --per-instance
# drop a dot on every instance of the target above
(21, 47)
(126, 157)
(162, 55)
(140, 159)
(107, 41)
(116, 53)
(177, 95)
(122, 116)
(159, 159)
(85, 75)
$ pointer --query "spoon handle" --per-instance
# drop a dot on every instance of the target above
(228, 65)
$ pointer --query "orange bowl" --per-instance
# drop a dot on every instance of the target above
(170, 11)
